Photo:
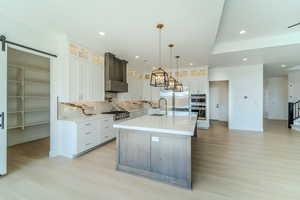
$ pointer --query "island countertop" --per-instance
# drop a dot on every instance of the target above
(179, 123)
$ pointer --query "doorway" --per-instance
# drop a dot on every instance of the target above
(275, 102)
(27, 105)
(219, 102)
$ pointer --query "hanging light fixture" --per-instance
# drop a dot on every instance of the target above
(178, 87)
(159, 77)
(172, 80)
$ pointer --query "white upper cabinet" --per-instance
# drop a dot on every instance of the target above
(86, 76)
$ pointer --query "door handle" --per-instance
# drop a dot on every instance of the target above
(217, 106)
(2, 120)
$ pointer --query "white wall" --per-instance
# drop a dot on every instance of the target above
(245, 95)
(276, 98)
(294, 86)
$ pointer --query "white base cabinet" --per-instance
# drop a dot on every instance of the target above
(80, 137)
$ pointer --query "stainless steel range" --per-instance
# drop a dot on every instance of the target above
(118, 115)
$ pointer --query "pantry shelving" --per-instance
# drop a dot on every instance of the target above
(28, 92)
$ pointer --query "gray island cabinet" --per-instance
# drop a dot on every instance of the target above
(157, 147)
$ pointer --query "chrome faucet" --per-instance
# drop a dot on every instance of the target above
(166, 104)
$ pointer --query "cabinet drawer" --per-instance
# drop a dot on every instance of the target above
(83, 146)
(107, 123)
(86, 139)
(87, 125)
(86, 133)
(108, 133)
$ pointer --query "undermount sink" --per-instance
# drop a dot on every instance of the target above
(157, 115)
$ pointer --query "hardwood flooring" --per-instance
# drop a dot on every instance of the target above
(227, 165)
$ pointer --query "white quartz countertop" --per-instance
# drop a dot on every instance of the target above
(179, 123)
(82, 118)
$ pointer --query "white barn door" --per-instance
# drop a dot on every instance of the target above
(3, 112)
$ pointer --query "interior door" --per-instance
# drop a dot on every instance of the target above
(219, 100)
(3, 112)
(214, 102)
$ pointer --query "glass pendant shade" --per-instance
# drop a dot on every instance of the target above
(159, 78)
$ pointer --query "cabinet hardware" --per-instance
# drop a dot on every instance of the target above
(87, 133)
(88, 124)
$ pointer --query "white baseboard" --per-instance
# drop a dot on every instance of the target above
(260, 131)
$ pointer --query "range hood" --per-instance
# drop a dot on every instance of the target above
(115, 74)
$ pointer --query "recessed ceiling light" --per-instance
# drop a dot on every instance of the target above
(101, 33)
(191, 64)
(245, 59)
(242, 32)
(283, 66)
(137, 57)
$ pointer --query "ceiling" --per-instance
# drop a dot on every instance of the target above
(130, 26)
(205, 32)
(260, 18)
(267, 39)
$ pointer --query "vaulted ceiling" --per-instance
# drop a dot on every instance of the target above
(205, 32)
(267, 40)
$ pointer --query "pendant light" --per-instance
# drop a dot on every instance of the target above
(172, 80)
(159, 77)
(178, 85)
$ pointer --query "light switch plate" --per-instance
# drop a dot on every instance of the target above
(155, 139)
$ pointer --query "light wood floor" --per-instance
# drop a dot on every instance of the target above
(226, 165)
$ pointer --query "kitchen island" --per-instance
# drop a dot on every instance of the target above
(157, 147)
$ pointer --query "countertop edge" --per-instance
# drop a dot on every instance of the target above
(82, 119)
(157, 130)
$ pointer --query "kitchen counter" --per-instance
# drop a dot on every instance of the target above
(179, 123)
(157, 147)
(82, 118)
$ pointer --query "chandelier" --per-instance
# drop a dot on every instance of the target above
(159, 77)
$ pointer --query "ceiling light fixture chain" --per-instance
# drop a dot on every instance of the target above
(159, 26)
